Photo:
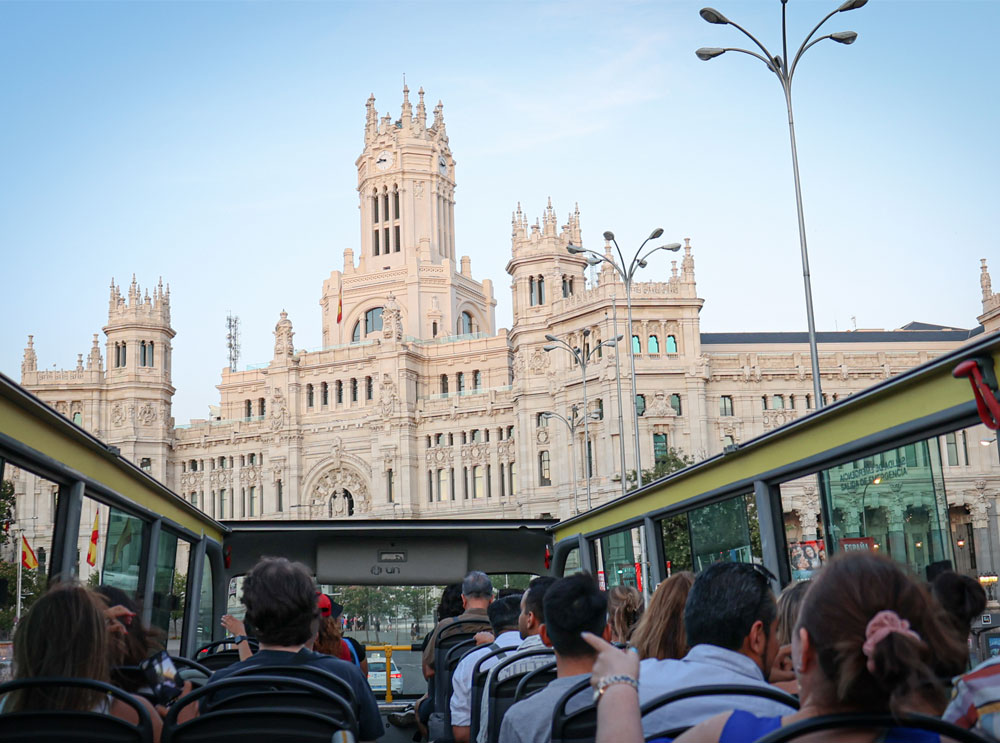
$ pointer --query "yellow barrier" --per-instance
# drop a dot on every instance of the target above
(387, 649)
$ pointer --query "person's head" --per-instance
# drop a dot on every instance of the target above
(624, 609)
(962, 600)
(280, 598)
(477, 590)
(65, 633)
(572, 605)
(789, 603)
(137, 643)
(503, 592)
(503, 613)
(532, 615)
(869, 637)
(450, 604)
(660, 633)
(730, 605)
(809, 551)
(330, 637)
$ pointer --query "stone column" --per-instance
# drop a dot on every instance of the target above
(984, 526)
(897, 535)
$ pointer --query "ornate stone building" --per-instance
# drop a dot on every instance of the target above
(417, 406)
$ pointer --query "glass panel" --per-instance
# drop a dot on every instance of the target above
(164, 584)
(123, 552)
(572, 562)
(720, 533)
(894, 503)
(619, 561)
(676, 543)
(206, 607)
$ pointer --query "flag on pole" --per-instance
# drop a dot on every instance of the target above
(27, 554)
(340, 303)
(92, 550)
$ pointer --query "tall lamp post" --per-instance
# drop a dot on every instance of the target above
(864, 493)
(627, 274)
(572, 423)
(785, 71)
(582, 357)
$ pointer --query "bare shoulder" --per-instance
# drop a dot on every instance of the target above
(708, 731)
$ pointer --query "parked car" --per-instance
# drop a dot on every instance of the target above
(376, 673)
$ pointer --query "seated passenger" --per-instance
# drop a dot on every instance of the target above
(477, 594)
(729, 618)
(503, 614)
(660, 633)
(529, 627)
(789, 604)
(572, 605)
(68, 632)
(135, 643)
(867, 641)
(963, 600)
(331, 640)
(280, 601)
(624, 611)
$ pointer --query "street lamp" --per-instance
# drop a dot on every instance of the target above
(583, 359)
(864, 519)
(572, 423)
(784, 72)
(627, 274)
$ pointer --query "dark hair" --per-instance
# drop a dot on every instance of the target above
(138, 643)
(789, 606)
(536, 594)
(572, 605)
(477, 585)
(625, 607)
(503, 613)
(724, 602)
(504, 592)
(842, 600)
(450, 604)
(280, 598)
(660, 633)
(962, 599)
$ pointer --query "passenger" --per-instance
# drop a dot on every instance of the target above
(660, 633)
(477, 593)
(330, 639)
(503, 614)
(963, 600)
(529, 626)
(572, 605)
(238, 630)
(867, 641)
(449, 607)
(280, 601)
(789, 604)
(135, 644)
(68, 633)
(624, 610)
(729, 617)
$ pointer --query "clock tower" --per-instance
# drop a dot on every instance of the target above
(406, 190)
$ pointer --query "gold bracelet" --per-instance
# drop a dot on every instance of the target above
(618, 678)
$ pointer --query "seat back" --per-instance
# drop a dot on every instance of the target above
(216, 655)
(505, 692)
(534, 681)
(579, 726)
(255, 693)
(883, 721)
(479, 674)
(273, 724)
(192, 671)
(73, 727)
(446, 658)
(308, 673)
(765, 692)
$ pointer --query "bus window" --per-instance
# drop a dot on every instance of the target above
(206, 607)
(122, 552)
(28, 506)
(169, 583)
(572, 562)
(676, 543)
(720, 532)
(619, 560)
(92, 542)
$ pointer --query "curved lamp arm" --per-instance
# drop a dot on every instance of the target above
(806, 44)
(767, 54)
(850, 38)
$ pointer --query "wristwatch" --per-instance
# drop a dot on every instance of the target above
(238, 639)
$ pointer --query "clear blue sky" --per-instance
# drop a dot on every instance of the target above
(213, 144)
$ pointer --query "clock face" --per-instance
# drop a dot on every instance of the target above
(442, 165)
(384, 160)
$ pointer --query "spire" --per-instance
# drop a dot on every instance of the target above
(421, 110)
(94, 358)
(30, 362)
(283, 334)
(407, 108)
(371, 119)
(984, 280)
(79, 362)
(687, 264)
(133, 292)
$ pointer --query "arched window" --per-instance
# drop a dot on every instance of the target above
(541, 290)
(78, 418)
(260, 407)
(248, 409)
(373, 320)
(375, 209)
(395, 202)
(142, 353)
(124, 357)
(640, 404)
(636, 346)
(340, 392)
(460, 382)
(465, 325)
(544, 469)
(653, 344)
(477, 380)
(675, 403)
(356, 333)
(778, 402)
(671, 344)
(477, 481)
(324, 394)
(354, 390)
(149, 354)
(309, 395)
(434, 330)
(444, 384)
(531, 291)
(385, 210)
(369, 388)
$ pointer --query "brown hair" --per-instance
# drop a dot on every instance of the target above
(330, 640)
(660, 633)
(624, 609)
(789, 606)
(849, 592)
(280, 598)
(138, 643)
(63, 634)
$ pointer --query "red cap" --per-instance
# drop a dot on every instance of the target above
(323, 601)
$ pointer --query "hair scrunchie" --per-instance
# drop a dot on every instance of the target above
(881, 626)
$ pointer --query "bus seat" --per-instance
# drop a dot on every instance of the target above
(574, 727)
(505, 692)
(862, 720)
(712, 690)
(308, 673)
(479, 675)
(275, 725)
(213, 658)
(192, 671)
(73, 727)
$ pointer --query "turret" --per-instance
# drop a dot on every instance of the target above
(990, 319)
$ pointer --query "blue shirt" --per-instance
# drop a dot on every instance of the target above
(702, 666)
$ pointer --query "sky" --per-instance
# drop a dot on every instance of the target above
(213, 145)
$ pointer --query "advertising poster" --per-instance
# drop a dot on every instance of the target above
(806, 558)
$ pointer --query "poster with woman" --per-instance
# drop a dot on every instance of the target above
(806, 558)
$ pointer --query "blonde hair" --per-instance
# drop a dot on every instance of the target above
(624, 609)
(660, 633)
(789, 603)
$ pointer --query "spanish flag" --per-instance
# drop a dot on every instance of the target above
(92, 549)
(340, 303)
(27, 554)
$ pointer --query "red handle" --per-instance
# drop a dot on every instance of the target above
(986, 403)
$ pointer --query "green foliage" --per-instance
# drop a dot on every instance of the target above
(32, 586)
(6, 510)
(675, 460)
(94, 581)
(178, 592)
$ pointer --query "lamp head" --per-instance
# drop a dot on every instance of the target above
(618, 338)
(673, 247)
(573, 249)
(713, 16)
(852, 5)
(876, 481)
(586, 332)
(656, 233)
(593, 260)
(642, 263)
(551, 338)
(549, 348)
(986, 442)
(709, 52)
(844, 37)
(609, 235)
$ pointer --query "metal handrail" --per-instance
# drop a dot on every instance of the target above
(387, 649)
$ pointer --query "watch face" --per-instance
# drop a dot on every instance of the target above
(384, 160)
(442, 165)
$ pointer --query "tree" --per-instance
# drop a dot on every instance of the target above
(675, 460)
(32, 586)
(7, 503)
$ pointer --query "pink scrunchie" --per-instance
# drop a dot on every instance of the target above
(881, 626)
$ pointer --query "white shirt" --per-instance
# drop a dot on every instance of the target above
(703, 665)
(530, 663)
(461, 680)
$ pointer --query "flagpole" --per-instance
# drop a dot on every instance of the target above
(17, 612)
